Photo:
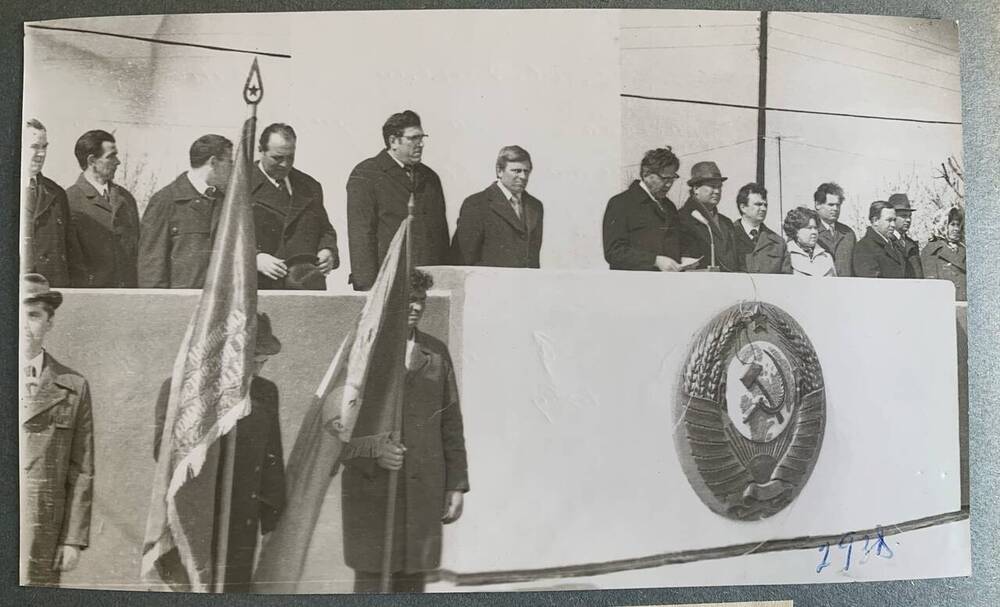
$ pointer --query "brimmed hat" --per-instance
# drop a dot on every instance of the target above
(36, 289)
(900, 202)
(705, 171)
(303, 273)
(267, 343)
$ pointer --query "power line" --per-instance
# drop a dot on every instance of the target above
(840, 151)
(643, 48)
(788, 110)
(863, 50)
(691, 26)
(866, 69)
(718, 147)
(881, 37)
(899, 33)
(160, 41)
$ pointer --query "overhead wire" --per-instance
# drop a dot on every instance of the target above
(898, 33)
(866, 69)
(873, 34)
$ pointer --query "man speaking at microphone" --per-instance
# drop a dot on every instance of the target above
(706, 233)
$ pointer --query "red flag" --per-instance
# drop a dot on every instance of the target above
(348, 414)
(210, 392)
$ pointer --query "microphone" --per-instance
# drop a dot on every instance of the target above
(711, 239)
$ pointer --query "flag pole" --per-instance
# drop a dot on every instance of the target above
(397, 427)
(253, 92)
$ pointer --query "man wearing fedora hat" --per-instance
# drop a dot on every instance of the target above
(57, 447)
(907, 246)
(258, 493)
(706, 233)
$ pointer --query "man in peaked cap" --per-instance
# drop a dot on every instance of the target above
(900, 233)
(57, 447)
(258, 494)
(703, 227)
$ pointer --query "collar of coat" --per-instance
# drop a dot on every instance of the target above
(886, 245)
(54, 382)
(264, 193)
(766, 237)
(502, 207)
(91, 192)
(390, 167)
(47, 190)
(423, 351)
(939, 248)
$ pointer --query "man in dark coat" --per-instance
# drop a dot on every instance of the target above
(288, 213)
(875, 255)
(57, 448)
(901, 238)
(258, 495)
(502, 225)
(703, 227)
(103, 240)
(44, 212)
(641, 225)
(431, 460)
(178, 226)
(378, 192)
(834, 236)
(758, 249)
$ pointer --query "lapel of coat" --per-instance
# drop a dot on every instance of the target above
(831, 238)
(396, 172)
(263, 192)
(766, 238)
(300, 197)
(45, 196)
(50, 392)
(500, 206)
(955, 258)
(92, 194)
(888, 247)
(530, 206)
(423, 354)
(184, 191)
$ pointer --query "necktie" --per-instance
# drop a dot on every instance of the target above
(753, 234)
(412, 176)
(516, 203)
(30, 380)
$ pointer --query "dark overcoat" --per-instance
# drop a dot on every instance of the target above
(378, 191)
(766, 255)
(696, 242)
(840, 242)
(258, 496)
(911, 254)
(637, 230)
(489, 233)
(284, 227)
(434, 463)
(875, 257)
(103, 239)
(57, 469)
(940, 262)
(45, 246)
(175, 241)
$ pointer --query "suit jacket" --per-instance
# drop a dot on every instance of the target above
(637, 230)
(435, 462)
(286, 228)
(939, 261)
(696, 242)
(45, 232)
(175, 241)
(911, 253)
(489, 232)
(378, 191)
(103, 240)
(57, 469)
(768, 254)
(840, 242)
(875, 257)
(258, 496)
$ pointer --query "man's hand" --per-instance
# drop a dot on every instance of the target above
(666, 264)
(327, 261)
(391, 457)
(66, 558)
(271, 266)
(452, 506)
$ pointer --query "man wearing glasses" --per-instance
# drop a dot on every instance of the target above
(641, 225)
(378, 191)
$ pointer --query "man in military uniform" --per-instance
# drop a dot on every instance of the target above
(103, 239)
(258, 494)
(57, 447)
(641, 224)
(875, 255)
(703, 227)
(378, 192)
(178, 226)
(44, 211)
(758, 249)
(431, 461)
(834, 236)
(901, 238)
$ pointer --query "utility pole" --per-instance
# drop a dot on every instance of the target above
(762, 98)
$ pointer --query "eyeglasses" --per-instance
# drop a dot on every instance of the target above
(415, 138)
(673, 177)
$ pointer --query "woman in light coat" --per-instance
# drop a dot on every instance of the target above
(809, 258)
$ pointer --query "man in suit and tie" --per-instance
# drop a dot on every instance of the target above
(290, 220)
(378, 193)
(758, 249)
(502, 225)
(703, 227)
(44, 211)
(875, 255)
(57, 447)
(834, 236)
(103, 239)
(641, 225)
(900, 235)
(178, 227)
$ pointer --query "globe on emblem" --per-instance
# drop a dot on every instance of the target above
(760, 391)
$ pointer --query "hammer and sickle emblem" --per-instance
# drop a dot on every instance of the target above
(767, 402)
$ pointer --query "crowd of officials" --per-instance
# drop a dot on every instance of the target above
(91, 234)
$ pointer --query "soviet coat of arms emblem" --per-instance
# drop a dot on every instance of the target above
(751, 414)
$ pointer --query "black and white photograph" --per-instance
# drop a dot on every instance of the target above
(300, 316)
